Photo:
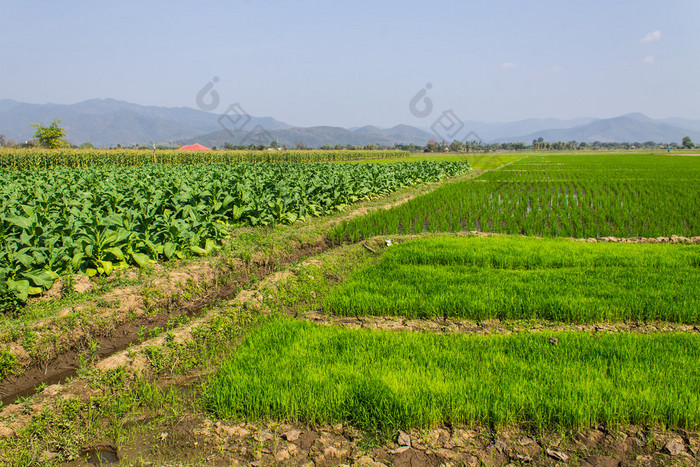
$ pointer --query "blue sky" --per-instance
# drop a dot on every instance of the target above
(355, 63)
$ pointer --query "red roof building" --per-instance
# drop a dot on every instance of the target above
(194, 147)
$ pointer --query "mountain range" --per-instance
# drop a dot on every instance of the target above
(108, 122)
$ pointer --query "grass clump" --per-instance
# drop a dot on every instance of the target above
(382, 381)
(526, 278)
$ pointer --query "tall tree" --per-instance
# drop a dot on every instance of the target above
(52, 136)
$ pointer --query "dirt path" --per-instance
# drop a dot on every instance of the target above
(194, 441)
(128, 315)
(465, 326)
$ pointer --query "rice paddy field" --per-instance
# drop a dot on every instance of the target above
(620, 195)
(516, 278)
(387, 381)
(380, 309)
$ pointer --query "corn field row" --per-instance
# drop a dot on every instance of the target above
(47, 158)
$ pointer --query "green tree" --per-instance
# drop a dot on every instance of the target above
(688, 143)
(432, 146)
(456, 146)
(87, 145)
(52, 136)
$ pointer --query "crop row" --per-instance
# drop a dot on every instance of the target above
(383, 381)
(526, 278)
(47, 158)
(569, 196)
(95, 219)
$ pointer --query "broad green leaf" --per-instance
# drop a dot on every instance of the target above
(39, 278)
(209, 246)
(117, 252)
(169, 249)
(140, 259)
(198, 251)
(106, 266)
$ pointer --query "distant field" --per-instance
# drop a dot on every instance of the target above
(479, 161)
(526, 278)
(381, 381)
(556, 196)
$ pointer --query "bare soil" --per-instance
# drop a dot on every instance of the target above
(112, 327)
(199, 441)
(495, 326)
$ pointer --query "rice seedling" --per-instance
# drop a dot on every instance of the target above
(382, 381)
(526, 278)
(555, 196)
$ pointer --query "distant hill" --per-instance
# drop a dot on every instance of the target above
(627, 128)
(108, 122)
(319, 135)
(499, 131)
(682, 123)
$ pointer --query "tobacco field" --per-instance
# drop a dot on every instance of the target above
(95, 219)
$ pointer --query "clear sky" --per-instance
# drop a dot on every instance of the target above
(313, 62)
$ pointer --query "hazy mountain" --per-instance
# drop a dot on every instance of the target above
(402, 134)
(627, 128)
(497, 131)
(108, 122)
(7, 104)
(682, 123)
(318, 136)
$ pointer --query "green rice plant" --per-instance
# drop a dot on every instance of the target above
(526, 278)
(555, 196)
(382, 381)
